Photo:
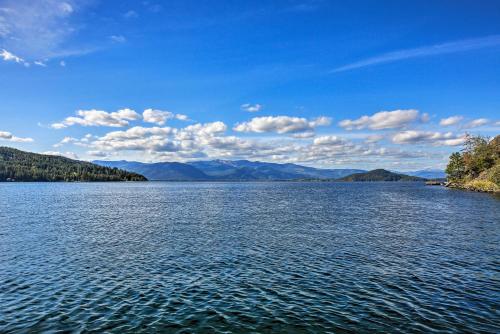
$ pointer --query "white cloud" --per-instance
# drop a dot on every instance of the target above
(374, 138)
(281, 124)
(4, 135)
(62, 63)
(40, 63)
(476, 123)
(453, 120)
(95, 117)
(382, 120)
(182, 117)
(160, 117)
(328, 140)
(8, 56)
(157, 116)
(435, 138)
(251, 107)
(209, 141)
(118, 38)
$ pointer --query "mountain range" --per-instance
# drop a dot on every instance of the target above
(229, 170)
(226, 170)
(428, 173)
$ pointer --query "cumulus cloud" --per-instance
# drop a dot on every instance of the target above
(251, 107)
(328, 140)
(210, 141)
(95, 117)
(453, 120)
(436, 138)
(374, 138)
(476, 123)
(382, 120)
(281, 124)
(4, 135)
(160, 117)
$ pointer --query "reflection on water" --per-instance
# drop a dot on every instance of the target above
(243, 257)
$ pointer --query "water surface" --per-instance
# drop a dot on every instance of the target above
(248, 257)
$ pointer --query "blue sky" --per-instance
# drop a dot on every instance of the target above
(367, 84)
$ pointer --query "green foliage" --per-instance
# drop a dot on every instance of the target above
(25, 166)
(478, 155)
(479, 161)
(456, 167)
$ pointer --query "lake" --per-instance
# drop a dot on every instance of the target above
(248, 257)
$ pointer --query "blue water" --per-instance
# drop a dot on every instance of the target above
(248, 257)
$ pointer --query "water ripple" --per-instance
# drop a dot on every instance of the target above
(250, 257)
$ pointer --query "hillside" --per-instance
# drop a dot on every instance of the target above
(379, 175)
(227, 170)
(25, 166)
(477, 166)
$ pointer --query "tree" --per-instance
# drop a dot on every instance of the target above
(456, 167)
(478, 155)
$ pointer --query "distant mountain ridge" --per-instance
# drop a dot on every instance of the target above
(427, 173)
(226, 170)
(379, 175)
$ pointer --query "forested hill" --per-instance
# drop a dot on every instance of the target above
(379, 175)
(24, 166)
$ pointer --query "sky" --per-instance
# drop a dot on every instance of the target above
(330, 84)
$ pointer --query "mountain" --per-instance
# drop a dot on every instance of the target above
(161, 171)
(227, 170)
(25, 166)
(428, 173)
(379, 175)
(256, 170)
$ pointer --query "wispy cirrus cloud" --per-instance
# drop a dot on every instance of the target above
(425, 51)
(41, 29)
(9, 56)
